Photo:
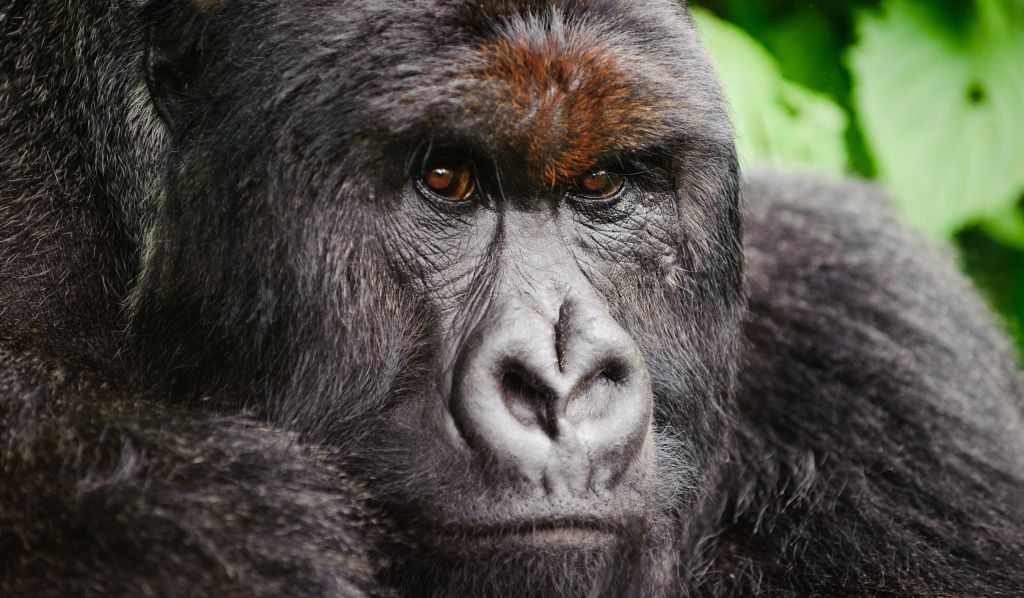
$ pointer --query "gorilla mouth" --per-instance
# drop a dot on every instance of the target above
(544, 533)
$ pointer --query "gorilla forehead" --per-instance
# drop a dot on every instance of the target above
(557, 87)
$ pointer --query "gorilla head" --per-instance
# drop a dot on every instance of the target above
(491, 251)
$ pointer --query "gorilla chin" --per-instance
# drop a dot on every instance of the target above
(554, 561)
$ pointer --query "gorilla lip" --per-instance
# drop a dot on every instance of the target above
(574, 532)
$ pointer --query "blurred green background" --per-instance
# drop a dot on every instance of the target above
(926, 96)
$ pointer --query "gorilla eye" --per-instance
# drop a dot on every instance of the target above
(598, 184)
(452, 182)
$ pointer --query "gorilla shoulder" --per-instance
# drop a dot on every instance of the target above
(879, 414)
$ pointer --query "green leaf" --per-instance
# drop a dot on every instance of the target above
(776, 121)
(1007, 228)
(998, 269)
(808, 51)
(943, 110)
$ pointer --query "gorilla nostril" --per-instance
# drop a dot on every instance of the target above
(529, 399)
(609, 374)
(614, 371)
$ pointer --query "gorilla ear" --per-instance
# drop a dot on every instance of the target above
(176, 56)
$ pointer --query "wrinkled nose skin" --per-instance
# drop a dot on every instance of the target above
(564, 400)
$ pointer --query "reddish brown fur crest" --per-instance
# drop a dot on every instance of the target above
(568, 103)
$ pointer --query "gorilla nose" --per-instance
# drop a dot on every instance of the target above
(566, 402)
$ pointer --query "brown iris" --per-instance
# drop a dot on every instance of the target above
(453, 182)
(598, 184)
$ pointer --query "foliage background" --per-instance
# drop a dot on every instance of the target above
(926, 96)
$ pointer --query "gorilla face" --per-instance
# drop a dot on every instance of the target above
(489, 252)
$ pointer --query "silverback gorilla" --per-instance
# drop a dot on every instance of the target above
(450, 298)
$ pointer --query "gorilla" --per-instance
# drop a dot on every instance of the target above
(460, 298)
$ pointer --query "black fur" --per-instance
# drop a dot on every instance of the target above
(211, 332)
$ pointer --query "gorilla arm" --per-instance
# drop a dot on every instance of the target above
(105, 493)
(880, 431)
